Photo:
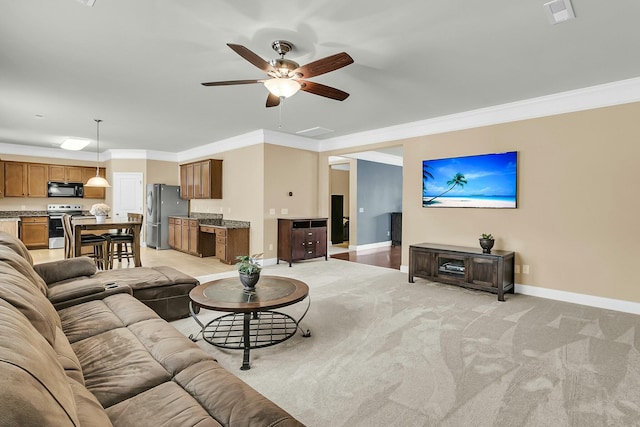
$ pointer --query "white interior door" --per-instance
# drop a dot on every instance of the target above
(127, 194)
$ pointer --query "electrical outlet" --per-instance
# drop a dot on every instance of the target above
(284, 211)
(270, 246)
(517, 268)
(361, 210)
(272, 211)
(525, 269)
(388, 233)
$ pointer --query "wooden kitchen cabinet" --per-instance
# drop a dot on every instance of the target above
(25, 179)
(1, 179)
(201, 180)
(61, 173)
(228, 243)
(93, 192)
(302, 238)
(35, 232)
(185, 236)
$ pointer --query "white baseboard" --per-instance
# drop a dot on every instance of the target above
(583, 299)
(376, 245)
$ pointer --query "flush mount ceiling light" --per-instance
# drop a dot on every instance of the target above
(74, 144)
(559, 11)
(97, 181)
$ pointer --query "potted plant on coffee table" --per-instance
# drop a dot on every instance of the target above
(486, 243)
(249, 270)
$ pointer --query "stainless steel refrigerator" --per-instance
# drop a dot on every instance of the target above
(163, 201)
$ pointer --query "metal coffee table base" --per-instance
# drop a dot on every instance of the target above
(246, 331)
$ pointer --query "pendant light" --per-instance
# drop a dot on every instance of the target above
(97, 181)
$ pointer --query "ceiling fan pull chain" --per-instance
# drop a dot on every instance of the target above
(280, 112)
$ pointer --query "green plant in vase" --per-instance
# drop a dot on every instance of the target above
(486, 242)
(249, 270)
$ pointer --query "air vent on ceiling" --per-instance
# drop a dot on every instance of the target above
(314, 131)
(89, 3)
(559, 11)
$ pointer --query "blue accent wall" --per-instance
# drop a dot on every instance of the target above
(379, 194)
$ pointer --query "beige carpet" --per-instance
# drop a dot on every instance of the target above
(388, 353)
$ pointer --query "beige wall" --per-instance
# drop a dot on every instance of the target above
(242, 191)
(287, 170)
(575, 225)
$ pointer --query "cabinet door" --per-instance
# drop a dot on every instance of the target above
(172, 231)
(73, 173)
(35, 232)
(177, 238)
(194, 231)
(484, 271)
(93, 192)
(56, 173)
(184, 182)
(299, 239)
(204, 188)
(37, 178)
(1, 179)
(213, 178)
(321, 241)
(184, 244)
(15, 179)
(197, 180)
(190, 181)
(421, 263)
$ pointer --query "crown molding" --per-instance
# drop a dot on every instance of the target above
(292, 141)
(605, 95)
(244, 140)
(139, 155)
(377, 157)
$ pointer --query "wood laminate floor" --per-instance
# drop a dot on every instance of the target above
(389, 257)
(188, 264)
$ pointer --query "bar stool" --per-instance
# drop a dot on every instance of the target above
(121, 244)
(98, 243)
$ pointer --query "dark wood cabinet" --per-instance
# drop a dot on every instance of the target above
(35, 232)
(396, 228)
(1, 179)
(463, 266)
(201, 180)
(188, 235)
(301, 238)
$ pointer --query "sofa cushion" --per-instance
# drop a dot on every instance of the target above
(12, 242)
(20, 292)
(70, 290)
(35, 390)
(117, 366)
(90, 411)
(23, 267)
(168, 346)
(88, 319)
(166, 405)
(67, 358)
(57, 271)
(228, 399)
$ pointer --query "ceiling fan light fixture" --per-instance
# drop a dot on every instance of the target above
(282, 88)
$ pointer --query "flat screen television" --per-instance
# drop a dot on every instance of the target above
(480, 181)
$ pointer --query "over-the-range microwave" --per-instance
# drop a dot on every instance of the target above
(65, 189)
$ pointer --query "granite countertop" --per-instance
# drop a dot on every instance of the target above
(215, 220)
(18, 214)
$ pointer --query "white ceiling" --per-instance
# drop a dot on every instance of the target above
(138, 64)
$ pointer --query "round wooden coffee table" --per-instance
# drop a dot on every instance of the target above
(253, 323)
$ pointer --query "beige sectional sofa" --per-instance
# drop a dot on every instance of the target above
(107, 359)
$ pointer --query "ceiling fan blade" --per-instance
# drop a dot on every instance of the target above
(323, 90)
(231, 82)
(324, 65)
(251, 57)
(273, 100)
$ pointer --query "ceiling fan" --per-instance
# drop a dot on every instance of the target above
(286, 77)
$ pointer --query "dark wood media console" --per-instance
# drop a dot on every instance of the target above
(462, 266)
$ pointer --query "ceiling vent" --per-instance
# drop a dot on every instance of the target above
(316, 131)
(559, 11)
(89, 3)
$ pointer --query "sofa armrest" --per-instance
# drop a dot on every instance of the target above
(57, 271)
(69, 294)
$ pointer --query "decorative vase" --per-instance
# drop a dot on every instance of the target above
(100, 218)
(486, 245)
(249, 280)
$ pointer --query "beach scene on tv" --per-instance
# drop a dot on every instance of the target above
(482, 181)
